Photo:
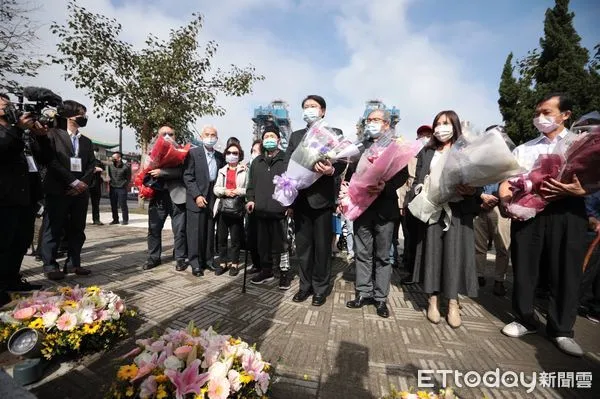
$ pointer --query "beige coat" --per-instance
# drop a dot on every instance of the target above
(241, 180)
(405, 189)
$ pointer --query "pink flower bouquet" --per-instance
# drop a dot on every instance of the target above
(319, 143)
(386, 157)
(70, 319)
(193, 363)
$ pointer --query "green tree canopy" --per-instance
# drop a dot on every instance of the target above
(166, 81)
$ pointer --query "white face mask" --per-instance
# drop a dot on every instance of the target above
(545, 124)
(232, 158)
(373, 129)
(424, 140)
(443, 132)
(210, 142)
(310, 115)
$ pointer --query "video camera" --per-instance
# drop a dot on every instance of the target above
(43, 106)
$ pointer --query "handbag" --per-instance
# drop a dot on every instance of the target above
(232, 206)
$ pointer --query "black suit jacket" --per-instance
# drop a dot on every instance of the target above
(196, 178)
(59, 176)
(322, 193)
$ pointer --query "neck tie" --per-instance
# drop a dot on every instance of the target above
(75, 144)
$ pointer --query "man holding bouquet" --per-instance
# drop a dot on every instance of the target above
(374, 230)
(312, 214)
(557, 235)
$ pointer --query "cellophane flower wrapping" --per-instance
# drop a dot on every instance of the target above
(165, 153)
(193, 363)
(583, 160)
(319, 143)
(71, 319)
(380, 162)
(477, 160)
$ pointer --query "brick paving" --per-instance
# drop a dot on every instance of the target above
(318, 352)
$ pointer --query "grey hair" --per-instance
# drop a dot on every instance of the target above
(387, 117)
(209, 127)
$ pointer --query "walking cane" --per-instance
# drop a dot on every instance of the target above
(245, 266)
(590, 251)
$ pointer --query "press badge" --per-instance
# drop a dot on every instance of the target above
(31, 164)
(76, 164)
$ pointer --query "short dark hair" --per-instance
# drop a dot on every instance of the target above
(5, 96)
(320, 100)
(166, 124)
(271, 127)
(454, 121)
(232, 140)
(564, 101)
(119, 153)
(255, 142)
(239, 148)
(71, 108)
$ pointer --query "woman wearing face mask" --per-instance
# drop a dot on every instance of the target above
(230, 189)
(445, 260)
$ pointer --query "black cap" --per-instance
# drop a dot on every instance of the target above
(271, 128)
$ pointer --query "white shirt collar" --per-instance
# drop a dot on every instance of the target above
(542, 137)
(77, 133)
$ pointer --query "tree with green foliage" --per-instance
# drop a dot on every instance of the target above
(17, 33)
(560, 65)
(167, 81)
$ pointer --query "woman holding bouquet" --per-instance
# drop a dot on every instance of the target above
(445, 255)
(230, 189)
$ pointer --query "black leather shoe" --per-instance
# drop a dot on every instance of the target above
(407, 281)
(219, 270)
(150, 264)
(318, 300)
(80, 271)
(359, 302)
(382, 309)
(198, 272)
(114, 222)
(181, 265)
(481, 281)
(301, 296)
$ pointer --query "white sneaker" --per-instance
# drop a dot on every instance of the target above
(516, 330)
(568, 346)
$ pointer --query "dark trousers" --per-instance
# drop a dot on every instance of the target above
(234, 226)
(410, 226)
(15, 235)
(250, 243)
(160, 207)
(372, 239)
(589, 293)
(201, 234)
(556, 235)
(393, 252)
(95, 194)
(314, 234)
(118, 198)
(271, 239)
(67, 212)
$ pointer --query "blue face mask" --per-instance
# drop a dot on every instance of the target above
(310, 115)
(373, 129)
(210, 142)
(269, 144)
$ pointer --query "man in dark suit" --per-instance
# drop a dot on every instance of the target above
(20, 190)
(66, 187)
(96, 189)
(170, 201)
(313, 210)
(200, 172)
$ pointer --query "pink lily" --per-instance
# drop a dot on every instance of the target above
(187, 381)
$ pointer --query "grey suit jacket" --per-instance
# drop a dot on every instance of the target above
(174, 183)
(196, 178)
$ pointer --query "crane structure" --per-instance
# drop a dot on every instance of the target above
(276, 112)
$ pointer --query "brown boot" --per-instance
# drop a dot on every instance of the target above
(453, 317)
(433, 311)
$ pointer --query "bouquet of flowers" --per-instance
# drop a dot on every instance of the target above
(69, 319)
(576, 154)
(476, 160)
(380, 162)
(165, 153)
(193, 363)
(447, 393)
(319, 143)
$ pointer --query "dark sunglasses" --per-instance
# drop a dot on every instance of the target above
(232, 153)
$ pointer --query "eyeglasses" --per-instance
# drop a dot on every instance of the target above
(232, 153)
(369, 120)
(171, 134)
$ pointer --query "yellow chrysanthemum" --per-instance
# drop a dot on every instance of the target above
(422, 395)
(161, 378)
(266, 367)
(94, 289)
(161, 392)
(130, 391)
(36, 324)
(69, 304)
(65, 290)
(245, 378)
(90, 328)
(127, 372)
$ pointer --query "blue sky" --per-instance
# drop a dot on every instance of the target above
(419, 55)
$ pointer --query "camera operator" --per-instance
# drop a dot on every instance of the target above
(66, 187)
(20, 190)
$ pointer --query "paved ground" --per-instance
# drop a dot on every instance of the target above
(325, 352)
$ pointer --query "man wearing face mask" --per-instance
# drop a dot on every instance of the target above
(96, 189)
(312, 214)
(557, 235)
(374, 230)
(66, 187)
(251, 232)
(201, 167)
(119, 174)
(167, 202)
(21, 154)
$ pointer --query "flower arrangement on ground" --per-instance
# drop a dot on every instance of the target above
(192, 363)
(447, 393)
(69, 320)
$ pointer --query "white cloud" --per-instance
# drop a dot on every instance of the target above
(387, 60)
